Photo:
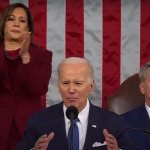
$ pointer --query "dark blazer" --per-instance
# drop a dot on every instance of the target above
(52, 119)
(30, 81)
(138, 118)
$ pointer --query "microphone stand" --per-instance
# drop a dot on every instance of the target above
(141, 130)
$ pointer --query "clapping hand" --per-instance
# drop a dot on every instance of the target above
(24, 51)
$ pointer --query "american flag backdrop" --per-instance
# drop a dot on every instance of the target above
(113, 34)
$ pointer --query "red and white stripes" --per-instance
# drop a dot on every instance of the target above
(113, 35)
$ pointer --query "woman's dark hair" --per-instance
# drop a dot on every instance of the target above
(8, 11)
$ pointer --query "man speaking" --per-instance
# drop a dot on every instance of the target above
(91, 127)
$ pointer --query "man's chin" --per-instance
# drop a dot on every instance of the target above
(73, 104)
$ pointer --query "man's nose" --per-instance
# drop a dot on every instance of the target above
(71, 88)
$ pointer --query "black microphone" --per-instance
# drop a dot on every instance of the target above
(71, 113)
(138, 129)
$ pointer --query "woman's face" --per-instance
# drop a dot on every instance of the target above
(16, 24)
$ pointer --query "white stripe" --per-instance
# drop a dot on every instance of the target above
(55, 43)
(130, 38)
(93, 43)
(25, 2)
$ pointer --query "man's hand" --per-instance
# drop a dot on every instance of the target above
(43, 141)
(111, 141)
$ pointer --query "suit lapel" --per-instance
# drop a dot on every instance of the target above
(22, 71)
(145, 118)
(94, 129)
(4, 70)
(59, 141)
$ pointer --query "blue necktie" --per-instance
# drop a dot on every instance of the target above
(74, 144)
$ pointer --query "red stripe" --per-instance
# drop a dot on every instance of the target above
(74, 28)
(39, 12)
(111, 48)
(145, 31)
(3, 4)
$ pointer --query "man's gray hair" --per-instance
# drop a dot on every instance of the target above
(143, 71)
(78, 60)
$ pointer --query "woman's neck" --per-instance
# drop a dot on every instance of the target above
(11, 45)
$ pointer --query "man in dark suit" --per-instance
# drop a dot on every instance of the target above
(98, 129)
(140, 116)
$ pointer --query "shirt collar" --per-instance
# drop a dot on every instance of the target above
(148, 109)
(83, 115)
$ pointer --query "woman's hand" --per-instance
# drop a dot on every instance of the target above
(25, 43)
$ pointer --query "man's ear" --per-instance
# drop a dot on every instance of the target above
(142, 89)
(92, 86)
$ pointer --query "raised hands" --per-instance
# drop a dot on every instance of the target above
(111, 141)
(24, 51)
(43, 141)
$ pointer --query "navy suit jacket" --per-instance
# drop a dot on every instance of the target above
(138, 118)
(52, 119)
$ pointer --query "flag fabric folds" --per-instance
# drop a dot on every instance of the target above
(113, 35)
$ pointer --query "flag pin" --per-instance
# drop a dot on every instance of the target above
(93, 125)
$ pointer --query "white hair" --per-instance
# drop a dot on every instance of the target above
(78, 60)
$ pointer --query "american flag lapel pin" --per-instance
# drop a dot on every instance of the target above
(94, 126)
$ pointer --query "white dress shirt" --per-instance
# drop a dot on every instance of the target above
(148, 109)
(82, 124)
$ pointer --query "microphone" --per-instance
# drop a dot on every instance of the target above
(141, 130)
(71, 113)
